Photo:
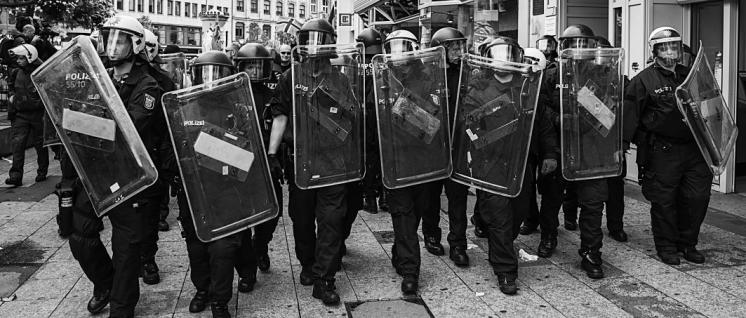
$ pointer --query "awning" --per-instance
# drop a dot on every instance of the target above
(386, 11)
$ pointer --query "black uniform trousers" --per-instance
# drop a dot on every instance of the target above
(677, 183)
(326, 207)
(211, 263)
(456, 194)
(407, 206)
(551, 187)
(355, 193)
(533, 217)
(592, 194)
(502, 218)
(130, 222)
(431, 215)
(252, 247)
(614, 204)
(22, 129)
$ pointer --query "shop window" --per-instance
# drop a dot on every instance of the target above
(267, 31)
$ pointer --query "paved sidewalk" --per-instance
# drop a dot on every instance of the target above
(637, 283)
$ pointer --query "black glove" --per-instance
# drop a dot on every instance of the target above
(275, 167)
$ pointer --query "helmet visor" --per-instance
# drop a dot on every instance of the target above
(504, 52)
(208, 73)
(257, 69)
(398, 46)
(116, 45)
(315, 38)
(577, 43)
(668, 53)
(546, 45)
(455, 50)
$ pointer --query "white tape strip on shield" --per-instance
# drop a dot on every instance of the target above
(596, 107)
(223, 151)
(87, 124)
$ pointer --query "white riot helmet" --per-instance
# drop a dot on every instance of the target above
(25, 50)
(400, 41)
(121, 38)
(151, 46)
(536, 57)
(665, 42)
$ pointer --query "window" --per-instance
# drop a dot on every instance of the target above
(132, 5)
(302, 11)
(187, 9)
(267, 31)
(219, 8)
(170, 7)
(239, 30)
(194, 10)
(267, 7)
(254, 6)
(278, 10)
(159, 6)
(210, 7)
(120, 4)
(313, 6)
(291, 9)
(177, 8)
(239, 5)
(151, 6)
(203, 8)
(139, 5)
(225, 11)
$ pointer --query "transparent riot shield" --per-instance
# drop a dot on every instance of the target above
(50, 135)
(224, 169)
(328, 115)
(412, 113)
(93, 125)
(591, 93)
(494, 120)
(707, 115)
(175, 65)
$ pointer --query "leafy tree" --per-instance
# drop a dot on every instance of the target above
(88, 14)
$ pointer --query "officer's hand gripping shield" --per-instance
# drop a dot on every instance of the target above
(328, 115)
(94, 126)
(493, 124)
(224, 169)
(412, 116)
(705, 112)
(591, 95)
(175, 65)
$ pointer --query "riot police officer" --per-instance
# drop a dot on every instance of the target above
(502, 216)
(318, 252)
(116, 279)
(408, 204)
(211, 263)
(371, 183)
(256, 61)
(593, 193)
(455, 44)
(675, 177)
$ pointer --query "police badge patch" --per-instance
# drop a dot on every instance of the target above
(149, 102)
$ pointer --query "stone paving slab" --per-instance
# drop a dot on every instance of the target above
(637, 283)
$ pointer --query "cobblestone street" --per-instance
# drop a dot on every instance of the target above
(37, 267)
